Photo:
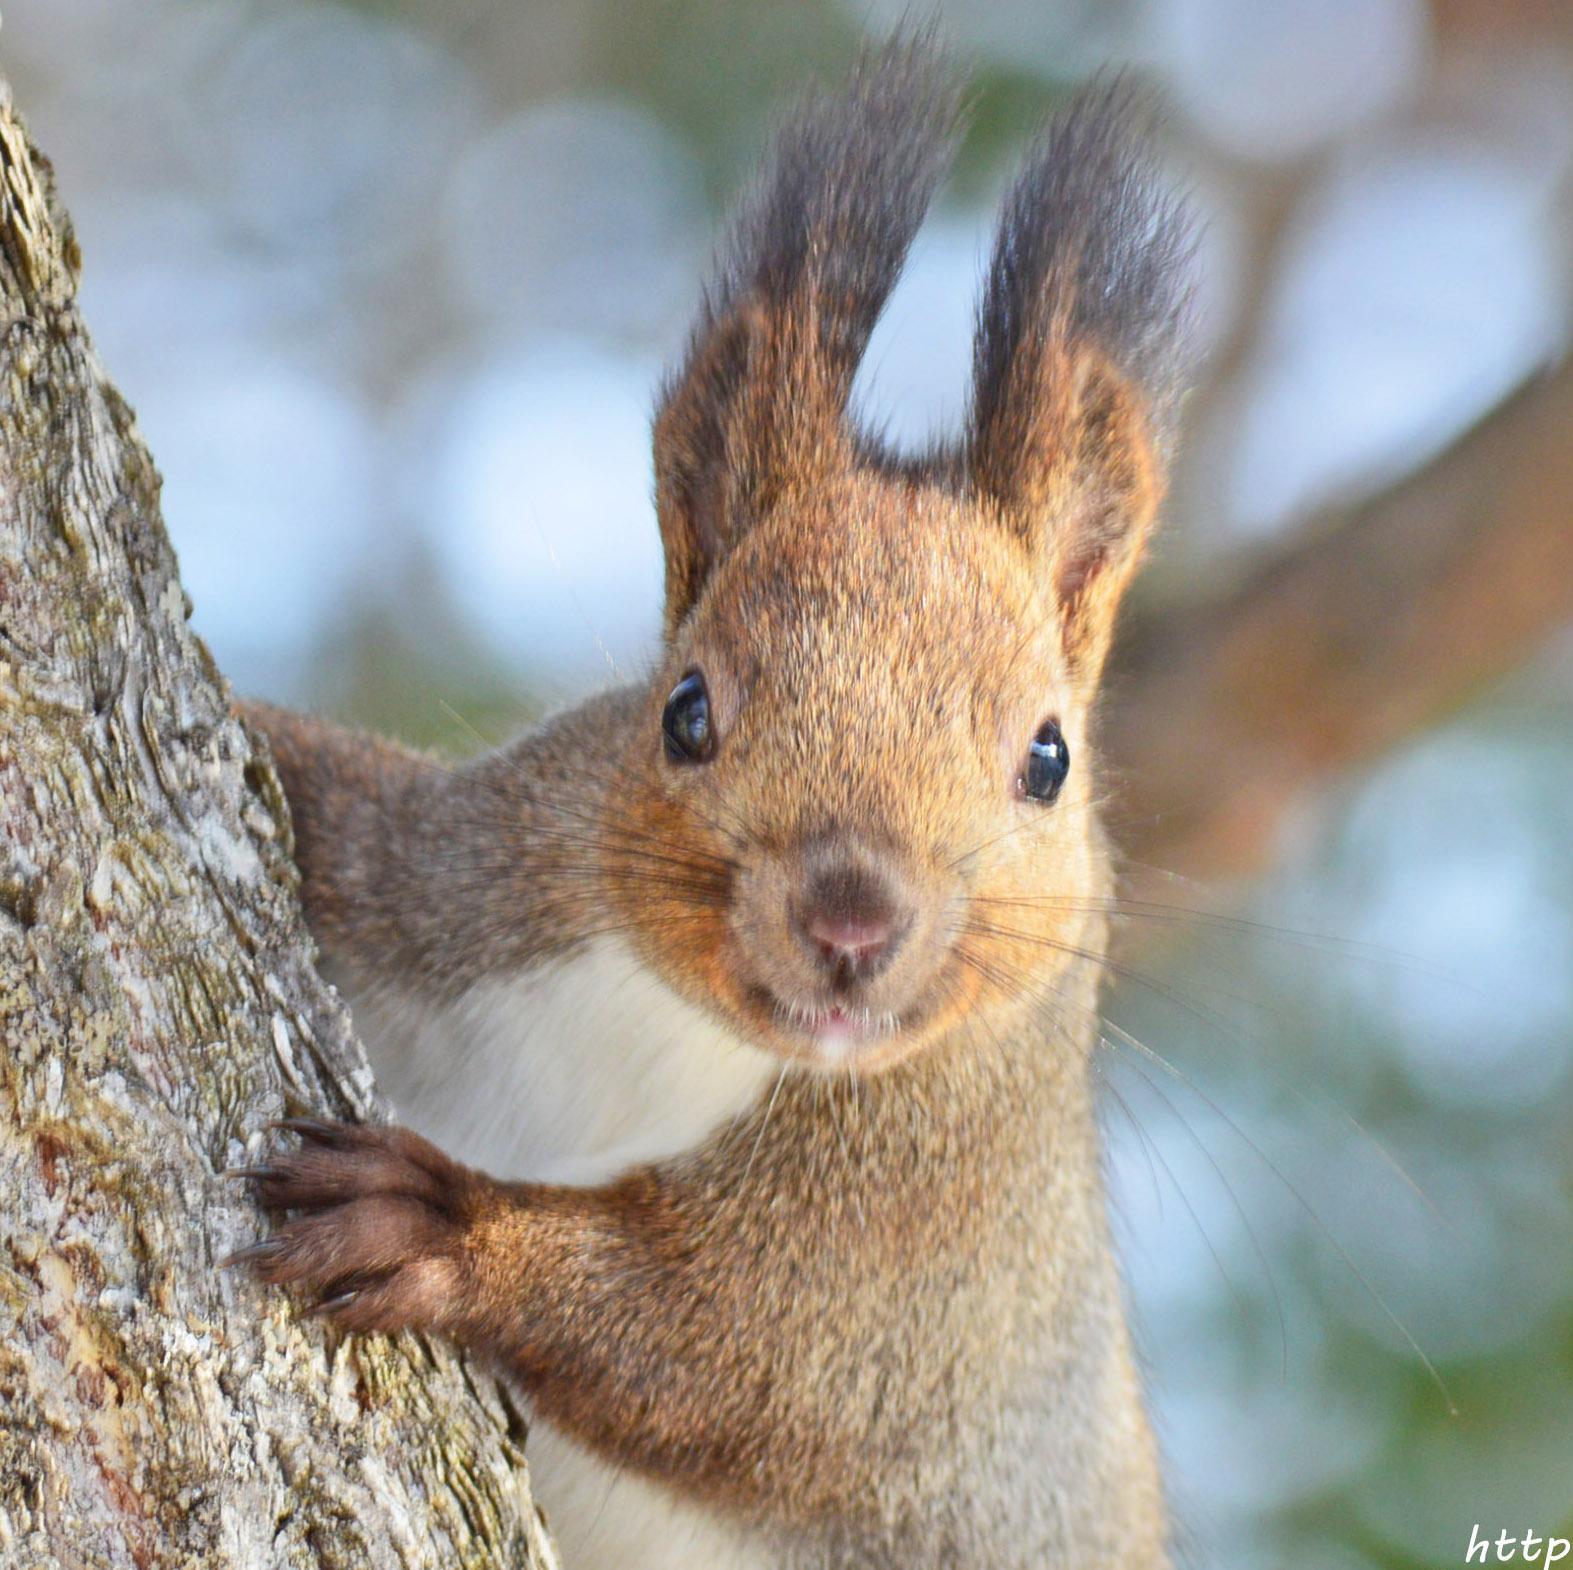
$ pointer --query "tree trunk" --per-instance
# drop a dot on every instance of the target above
(157, 1006)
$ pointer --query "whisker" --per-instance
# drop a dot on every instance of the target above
(1039, 987)
(764, 1123)
(1184, 915)
(1321, 1226)
(1232, 1287)
(1227, 1033)
(1143, 1139)
(1239, 1210)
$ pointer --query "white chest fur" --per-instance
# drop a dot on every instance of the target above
(605, 1518)
(572, 1073)
(568, 1073)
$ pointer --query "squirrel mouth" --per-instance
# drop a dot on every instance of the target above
(837, 1036)
(836, 1032)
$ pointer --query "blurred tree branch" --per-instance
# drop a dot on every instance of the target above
(157, 1005)
(1228, 710)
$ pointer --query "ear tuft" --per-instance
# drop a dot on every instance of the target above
(812, 257)
(1090, 249)
(845, 187)
(1080, 355)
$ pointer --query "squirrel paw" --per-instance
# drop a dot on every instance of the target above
(380, 1238)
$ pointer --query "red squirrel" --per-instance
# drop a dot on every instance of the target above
(768, 986)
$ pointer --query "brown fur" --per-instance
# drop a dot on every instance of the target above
(878, 1319)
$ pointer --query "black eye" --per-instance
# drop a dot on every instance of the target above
(685, 722)
(1048, 762)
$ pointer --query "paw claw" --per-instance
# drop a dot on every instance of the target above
(318, 1129)
(258, 1253)
(333, 1305)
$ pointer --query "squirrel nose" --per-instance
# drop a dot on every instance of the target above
(850, 922)
(847, 939)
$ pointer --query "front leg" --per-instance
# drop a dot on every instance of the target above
(584, 1294)
(734, 1337)
(645, 1317)
(387, 1233)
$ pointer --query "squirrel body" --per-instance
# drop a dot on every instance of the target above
(650, 1078)
(765, 991)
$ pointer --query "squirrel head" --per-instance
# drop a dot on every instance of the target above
(867, 745)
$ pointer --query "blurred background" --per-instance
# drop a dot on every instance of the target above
(389, 285)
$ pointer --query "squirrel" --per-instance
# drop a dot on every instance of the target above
(768, 986)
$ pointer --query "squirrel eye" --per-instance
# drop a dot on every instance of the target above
(685, 722)
(1048, 762)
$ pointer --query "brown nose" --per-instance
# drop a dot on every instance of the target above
(850, 921)
(846, 939)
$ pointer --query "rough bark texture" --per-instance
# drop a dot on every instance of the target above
(157, 1006)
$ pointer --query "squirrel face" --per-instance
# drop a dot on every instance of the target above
(865, 755)
(840, 746)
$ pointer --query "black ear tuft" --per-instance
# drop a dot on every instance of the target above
(1080, 355)
(846, 185)
(811, 258)
(1091, 250)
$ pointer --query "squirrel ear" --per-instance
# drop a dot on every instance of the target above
(1078, 358)
(695, 496)
(759, 404)
(752, 414)
(1073, 469)
(753, 411)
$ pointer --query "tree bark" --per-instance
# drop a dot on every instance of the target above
(157, 1006)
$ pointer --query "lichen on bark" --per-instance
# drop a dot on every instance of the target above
(158, 1006)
